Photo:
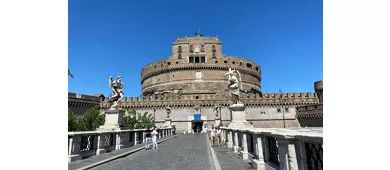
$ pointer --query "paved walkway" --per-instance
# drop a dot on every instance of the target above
(103, 158)
(228, 160)
(185, 152)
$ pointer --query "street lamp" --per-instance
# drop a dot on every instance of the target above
(154, 116)
(281, 101)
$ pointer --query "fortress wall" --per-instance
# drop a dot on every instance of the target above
(80, 103)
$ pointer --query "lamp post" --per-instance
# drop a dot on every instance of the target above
(154, 116)
(281, 101)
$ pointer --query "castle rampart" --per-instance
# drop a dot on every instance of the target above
(80, 103)
(265, 100)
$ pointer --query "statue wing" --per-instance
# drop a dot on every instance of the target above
(110, 81)
(239, 78)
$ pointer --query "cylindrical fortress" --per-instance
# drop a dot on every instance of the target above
(197, 66)
(318, 88)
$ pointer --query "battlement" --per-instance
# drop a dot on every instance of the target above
(96, 97)
(209, 100)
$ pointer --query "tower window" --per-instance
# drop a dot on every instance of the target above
(214, 56)
(202, 48)
(191, 48)
(233, 62)
(286, 109)
(279, 110)
(249, 65)
(241, 63)
(196, 59)
(203, 59)
(191, 59)
(179, 57)
(214, 50)
(225, 62)
(196, 97)
(179, 49)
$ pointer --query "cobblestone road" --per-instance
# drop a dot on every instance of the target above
(186, 152)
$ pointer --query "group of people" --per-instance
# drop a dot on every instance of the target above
(214, 132)
(151, 137)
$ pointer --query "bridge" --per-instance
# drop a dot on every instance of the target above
(252, 148)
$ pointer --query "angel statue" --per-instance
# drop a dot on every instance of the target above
(235, 85)
(168, 109)
(117, 91)
(216, 111)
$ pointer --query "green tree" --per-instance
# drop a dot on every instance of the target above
(72, 121)
(91, 120)
(136, 120)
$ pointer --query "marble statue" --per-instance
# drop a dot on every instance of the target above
(216, 111)
(117, 92)
(168, 109)
(234, 86)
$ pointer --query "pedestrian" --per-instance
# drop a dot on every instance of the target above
(219, 136)
(154, 138)
(148, 138)
(212, 135)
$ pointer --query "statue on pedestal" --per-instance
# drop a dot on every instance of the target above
(168, 109)
(117, 92)
(234, 86)
(216, 111)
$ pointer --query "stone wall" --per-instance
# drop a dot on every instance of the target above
(81, 103)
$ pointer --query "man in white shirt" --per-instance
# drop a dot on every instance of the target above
(212, 135)
(154, 138)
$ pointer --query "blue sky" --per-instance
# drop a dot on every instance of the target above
(119, 37)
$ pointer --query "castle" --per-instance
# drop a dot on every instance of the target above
(191, 83)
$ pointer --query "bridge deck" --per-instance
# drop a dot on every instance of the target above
(184, 152)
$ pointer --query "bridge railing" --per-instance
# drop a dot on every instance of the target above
(86, 144)
(279, 149)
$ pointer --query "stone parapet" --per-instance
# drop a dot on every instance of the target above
(85, 144)
(277, 148)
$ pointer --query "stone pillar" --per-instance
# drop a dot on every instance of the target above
(258, 164)
(100, 148)
(244, 152)
(135, 138)
(74, 149)
(143, 136)
(287, 154)
(230, 139)
(235, 147)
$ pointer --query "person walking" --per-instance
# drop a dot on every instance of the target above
(154, 138)
(212, 135)
(219, 136)
(148, 139)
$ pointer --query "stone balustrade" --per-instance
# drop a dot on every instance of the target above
(86, 144)
(277, 149)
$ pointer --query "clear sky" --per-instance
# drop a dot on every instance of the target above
(119, 37)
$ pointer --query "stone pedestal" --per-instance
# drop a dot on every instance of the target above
(238, 117)
(217, 122)
(168, 122)
(113, 120)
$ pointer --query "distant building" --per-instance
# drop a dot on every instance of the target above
(191, 81)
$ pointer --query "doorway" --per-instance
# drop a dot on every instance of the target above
(197, 125)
